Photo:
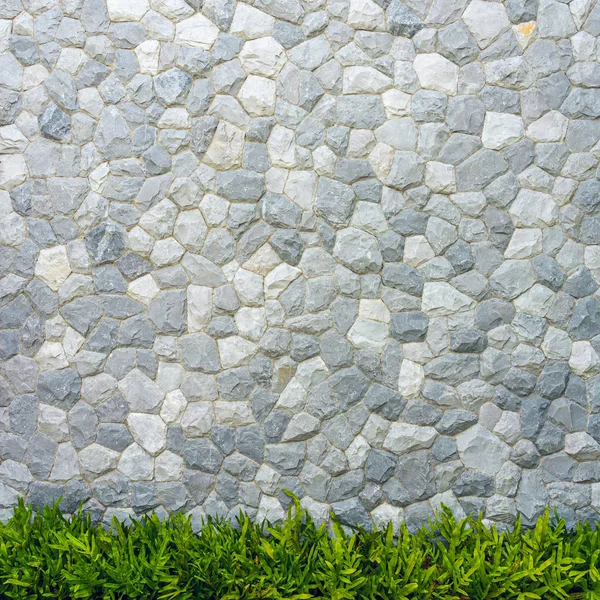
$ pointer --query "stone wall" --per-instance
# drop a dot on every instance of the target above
(349, 248)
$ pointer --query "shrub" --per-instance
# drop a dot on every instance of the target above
(45, 555)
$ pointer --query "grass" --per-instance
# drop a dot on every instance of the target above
(45, 555)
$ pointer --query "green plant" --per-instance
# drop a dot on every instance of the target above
(45, 555)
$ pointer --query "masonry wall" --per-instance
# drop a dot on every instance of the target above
(349, 248)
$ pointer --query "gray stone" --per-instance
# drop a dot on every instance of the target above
(479, 170)
(456, 44)
(402, 277)
(585, 322)
(409, 326)
(60, 388)
(54, 123)
(364, 112)
(453, 368)
(168, 312)
(402, 21)
(202, 454)
(199, 353)
(468, 340)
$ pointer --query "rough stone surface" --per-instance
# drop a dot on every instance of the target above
(345, 247)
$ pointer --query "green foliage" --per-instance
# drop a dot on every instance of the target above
(45, 555)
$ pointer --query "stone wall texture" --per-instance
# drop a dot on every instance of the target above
(348, 248)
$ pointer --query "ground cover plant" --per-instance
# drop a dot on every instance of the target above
(45, 555)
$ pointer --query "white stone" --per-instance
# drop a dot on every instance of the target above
(214, 209)
(417, 250)
(143, 289)
(140, 392)
(591, 257)
(311, 372)
(233, 414)
(226, 148)
(584, 46)
(367, 334)
(175, 118)
(168, 467)
(293, 396)
(365, 80)
(269, 509)
(265, 56)
(250, 22)
(441, 299)
(436, 73)
(486, 21)
(584, 361)
(166, 252)
(524, 243)
(197, 420)
(552, 127)
(365, 14)
(72, 342)
(249, 287)
(357, 452)
(51, 356)
(318, 511)
(267, 479)
(370, 308)
(302, 427)
(300, 186)
(148, 54)
(375, 430)
(66, 465)
(196, 31)
(7, 24)
(34, 76)
(127, 10)
(324, 161)
(405, 437)
(281, 147)
(361, 143)
(12, 229)
(95, 460)
(534, 209)
(279, 279)
(235, 351)
(149, 431)
(411, 378)
(199, 307)
(12, 141)
(13, 171)
(264, 260)
(535, 301)
(71, 60)
(98, 388)
(557, 344)
(251, 322)
(173, 407)
(136, 463)
(52, 422)
(397, 103)
(275, 179)
(257, 96)
(399, 133)
(384, 514)
(480, 449)
(501, 130)
(582, 446)
(508, 427)
(53, 267)
(369, 217)
(91, 102)
(440, 177)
